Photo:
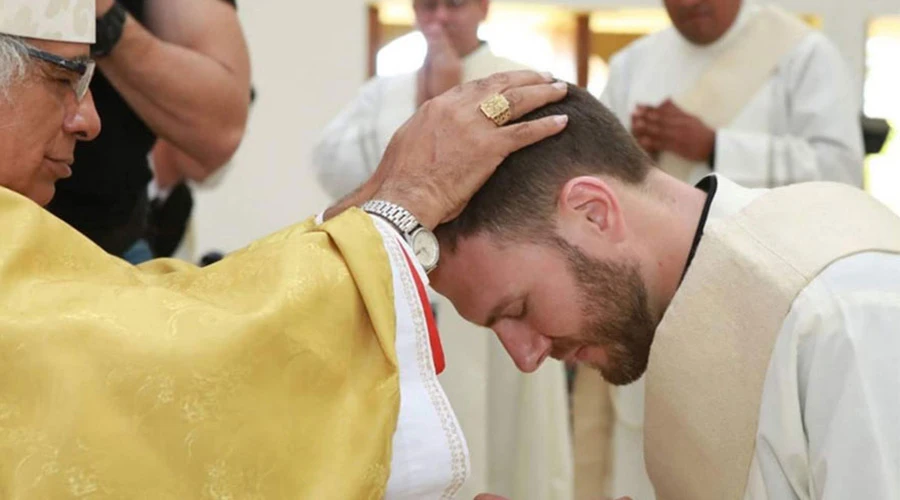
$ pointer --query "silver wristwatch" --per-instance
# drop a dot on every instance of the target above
(420, 238)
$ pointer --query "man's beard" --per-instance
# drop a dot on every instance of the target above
(613, 299)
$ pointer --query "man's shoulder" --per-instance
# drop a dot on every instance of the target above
(485, 62)
(814, 48)
(851, 298)
(866, 272)
(387, 83)
(507, 64)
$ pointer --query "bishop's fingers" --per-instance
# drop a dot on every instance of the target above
(520, 135)
(478, 90)
(524, 100)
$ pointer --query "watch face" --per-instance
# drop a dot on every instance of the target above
(425, 245)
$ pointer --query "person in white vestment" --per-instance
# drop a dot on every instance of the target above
(517, 427)
(737, 88)
(766, 319)
(798, 120)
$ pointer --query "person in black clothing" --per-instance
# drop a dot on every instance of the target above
(174, 70)
(171, 198)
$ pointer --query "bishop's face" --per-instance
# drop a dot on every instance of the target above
(43, 119)
(552, 299)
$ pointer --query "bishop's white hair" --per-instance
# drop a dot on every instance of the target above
(13, 61)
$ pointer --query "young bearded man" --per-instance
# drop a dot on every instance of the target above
(765, 319)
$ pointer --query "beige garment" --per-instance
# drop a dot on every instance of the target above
(712, 349)
(718, 96)
(592, 423)
(731, 81)
(516, 425)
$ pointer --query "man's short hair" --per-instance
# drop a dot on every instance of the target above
(519, 200)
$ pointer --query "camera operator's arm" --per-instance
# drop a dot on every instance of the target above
(186, 74)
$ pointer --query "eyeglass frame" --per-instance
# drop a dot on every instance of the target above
(85, 69)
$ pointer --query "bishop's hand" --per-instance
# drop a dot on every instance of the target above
(448, 149)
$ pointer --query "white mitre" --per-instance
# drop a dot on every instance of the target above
(56, 20)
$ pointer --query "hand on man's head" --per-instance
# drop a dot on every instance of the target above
(449, 148)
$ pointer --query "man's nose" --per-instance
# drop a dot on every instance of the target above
(527, 348)
(83, 122)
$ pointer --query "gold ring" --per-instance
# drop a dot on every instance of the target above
(497, 109)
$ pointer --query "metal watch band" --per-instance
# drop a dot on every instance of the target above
(395, 214)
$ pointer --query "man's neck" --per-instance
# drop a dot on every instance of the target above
(679, 208)
(731, 25)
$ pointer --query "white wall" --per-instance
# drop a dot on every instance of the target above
(309, 59)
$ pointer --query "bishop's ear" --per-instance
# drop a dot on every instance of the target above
(589, 208)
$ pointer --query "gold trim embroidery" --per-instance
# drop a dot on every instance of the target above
(427, 371)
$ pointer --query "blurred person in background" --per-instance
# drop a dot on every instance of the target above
(173, 70)
(504, 413)
(169, 227)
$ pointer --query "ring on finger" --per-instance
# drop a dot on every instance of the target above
(497, 109)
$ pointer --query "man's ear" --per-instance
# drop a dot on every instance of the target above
(589, 205)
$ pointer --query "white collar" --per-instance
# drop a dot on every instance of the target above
(730, 198)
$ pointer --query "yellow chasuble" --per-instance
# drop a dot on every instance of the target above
(272, 374)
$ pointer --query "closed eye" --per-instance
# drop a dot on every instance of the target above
(60, 75)
(520, 313)
(524, 311)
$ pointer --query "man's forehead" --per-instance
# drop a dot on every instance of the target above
(460, 261)
(469, 276)
(479, 263)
